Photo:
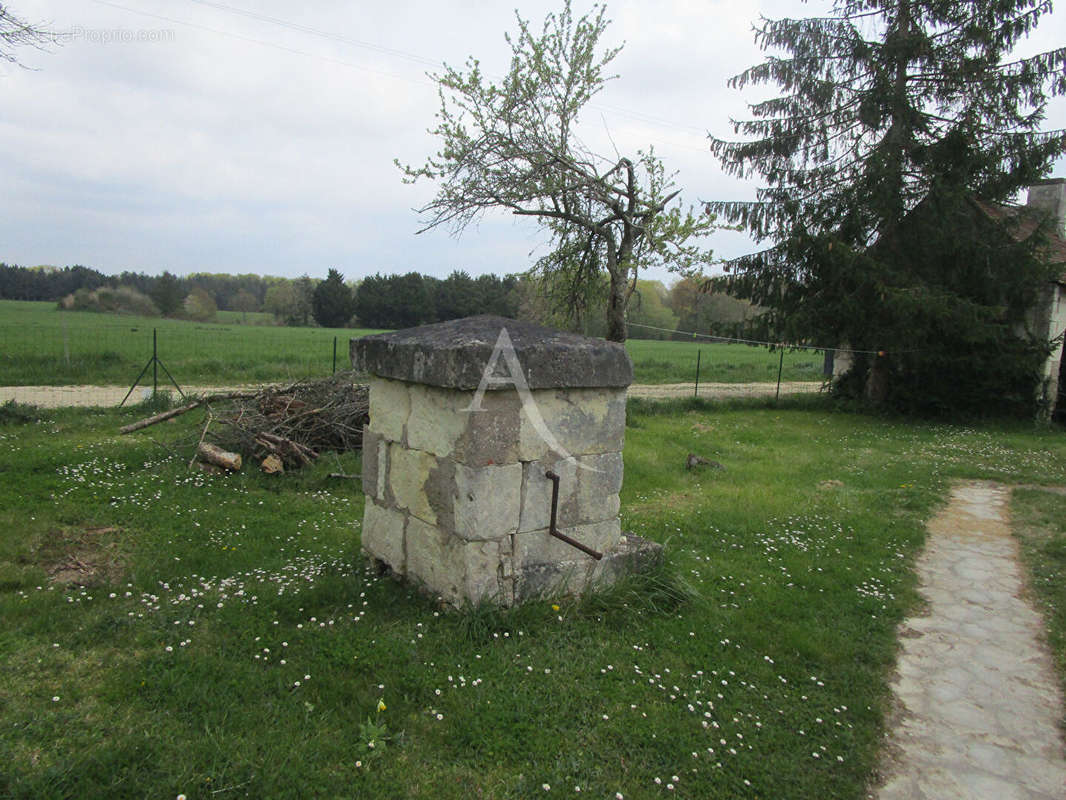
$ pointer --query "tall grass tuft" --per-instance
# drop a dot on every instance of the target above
(659, 591)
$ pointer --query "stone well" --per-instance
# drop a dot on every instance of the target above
(474, 424)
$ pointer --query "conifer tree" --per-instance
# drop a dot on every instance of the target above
(332, 303)
(168, 294)
(888, 106)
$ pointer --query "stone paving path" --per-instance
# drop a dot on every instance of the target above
(980, 704)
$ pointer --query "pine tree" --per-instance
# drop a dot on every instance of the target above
(897, 118)
(457, 297)
(168, 294)
(331, 302)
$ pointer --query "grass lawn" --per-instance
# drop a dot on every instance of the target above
(42, 346)
(168, 632)
(1039, 522)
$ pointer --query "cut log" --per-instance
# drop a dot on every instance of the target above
(219, 457)
(272, 465)
(163, 417)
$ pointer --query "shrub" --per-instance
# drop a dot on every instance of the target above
(200, 306)
(110, 300)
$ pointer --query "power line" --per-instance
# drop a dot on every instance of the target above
(336, 37)
(389, 51)
(734, 340)
(638, 116)
(650, 119)
(272, 45)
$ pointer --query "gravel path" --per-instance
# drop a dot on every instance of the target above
(979, 701)
(64, 396)
(721, 391)
(86, 396)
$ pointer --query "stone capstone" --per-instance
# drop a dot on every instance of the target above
(454, 355)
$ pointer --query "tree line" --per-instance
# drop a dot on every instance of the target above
(229, 292)
(393, 301)
(378, 301)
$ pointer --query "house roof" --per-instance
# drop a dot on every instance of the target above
(1026, 220)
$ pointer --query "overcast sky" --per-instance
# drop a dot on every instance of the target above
(259, 135)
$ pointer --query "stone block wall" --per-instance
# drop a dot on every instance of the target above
(457, 499)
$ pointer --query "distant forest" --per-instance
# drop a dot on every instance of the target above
(377, 301)
(55, 283)
(394, 301)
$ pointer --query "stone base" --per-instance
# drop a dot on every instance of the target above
(632, 554)
(573, 578)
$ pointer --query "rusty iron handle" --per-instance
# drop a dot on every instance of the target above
(554, 478)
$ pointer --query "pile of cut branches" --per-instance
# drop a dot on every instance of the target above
(297, 422)
(279, 427)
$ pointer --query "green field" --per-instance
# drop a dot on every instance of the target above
(167, 632)
(675, 362)
(40, 346)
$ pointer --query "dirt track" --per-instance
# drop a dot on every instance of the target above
(721, 391)
(89, 396)
(64, 396)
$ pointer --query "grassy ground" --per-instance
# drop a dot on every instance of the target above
(1039, 521)
(220, 636)
(676, 362)
(42, 346)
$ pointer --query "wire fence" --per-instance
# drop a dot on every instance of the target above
(97, 364)
(72, 359)
(724, 368)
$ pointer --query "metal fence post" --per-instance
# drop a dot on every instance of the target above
(334, 355)
(697, 390)
(780, 366)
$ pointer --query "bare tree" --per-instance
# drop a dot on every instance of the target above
(513, 146)
(16, 33)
